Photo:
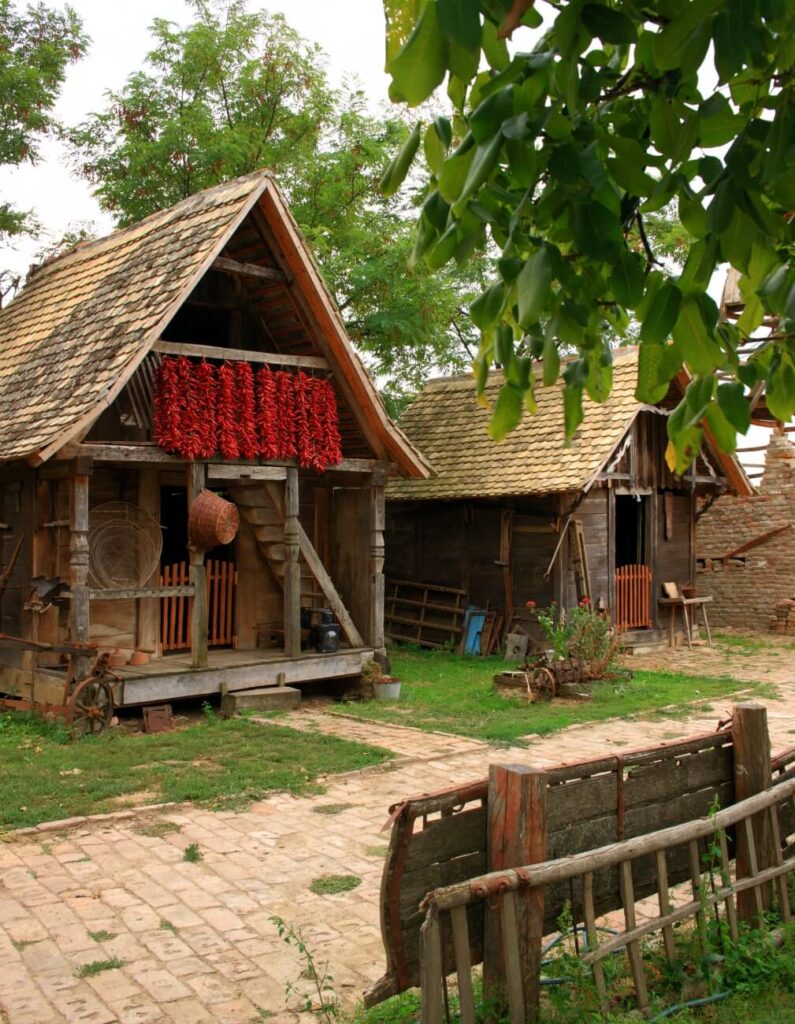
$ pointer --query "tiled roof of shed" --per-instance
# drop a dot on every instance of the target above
(450, 429)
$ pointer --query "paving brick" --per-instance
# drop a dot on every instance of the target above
(160, 983)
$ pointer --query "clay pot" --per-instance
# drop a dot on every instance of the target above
(140, 658)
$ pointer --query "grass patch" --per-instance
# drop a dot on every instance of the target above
(192, 854)
(158, 829)
(219, 763)
(330, 808)
(453, 693)
(102, 936)
(98, 966)
(330, 885)
(167, 926)
(748, 644)
(20, 944)
(377, 851)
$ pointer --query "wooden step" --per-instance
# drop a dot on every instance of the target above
(264, 698)
(269, 534)
(257, 515)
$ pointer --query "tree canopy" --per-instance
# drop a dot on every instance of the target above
(36, 47)
(559, 151)
(236, 90)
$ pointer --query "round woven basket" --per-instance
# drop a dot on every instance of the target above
(212, 521)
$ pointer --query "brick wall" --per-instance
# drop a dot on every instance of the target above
(748, 588)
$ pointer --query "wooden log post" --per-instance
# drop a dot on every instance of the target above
(147, 636)
(79, 613)
(292, 567)
(752, 774)
(517, 835)
(375, 632)
(198, 577)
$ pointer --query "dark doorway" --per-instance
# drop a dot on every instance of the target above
(631, 514)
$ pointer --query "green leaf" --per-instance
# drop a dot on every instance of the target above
(434, 149)
(487, 306)
(652, 385)
(729, 38)
(752, 315)
(734, 404)
(609, 25)
(693, 337)
(692, 215)
(719, 123)
(444, 130)
(459, 21)
(684, 40)
(551, 358)
(596, 229)
(485, 121)
(494, 49)
(600, 374)
(507, 412)
(444, 249)
(572, 410)
(722, 207)
(627, 279)
(503, 345)
(533, 285)
(780, 391)
(454, 173)
(485, 160)
(420, 65)
(723, 432)
(524, 162)
(394, 175)
(662, 315)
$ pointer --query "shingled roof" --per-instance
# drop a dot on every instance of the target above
(450, 429)
(85, 321)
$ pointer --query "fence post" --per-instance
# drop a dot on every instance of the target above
(752, 774)
(517, 835)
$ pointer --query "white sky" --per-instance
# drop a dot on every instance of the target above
(351, 34)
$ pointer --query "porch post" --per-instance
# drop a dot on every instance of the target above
(79, 615)
(377, 523)
(292, 567)
(198, 629)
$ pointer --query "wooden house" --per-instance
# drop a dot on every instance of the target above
(94, 513)
(529, 519)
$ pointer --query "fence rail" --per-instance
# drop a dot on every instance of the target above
(505, 891)
(633, 597)
(175, 612)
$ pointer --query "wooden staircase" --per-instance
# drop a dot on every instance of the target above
(261, 507)
(267, 525)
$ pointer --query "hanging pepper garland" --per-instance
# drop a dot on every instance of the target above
(201, 410)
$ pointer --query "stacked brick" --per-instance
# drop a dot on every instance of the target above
(753, 589)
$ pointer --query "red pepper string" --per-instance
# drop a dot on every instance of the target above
(303, 436)
(285, 422)
(267, 413)
(204, 395)
(317, 425)
(333, 439)
(227, 412)
(247, 439)
(166, 406)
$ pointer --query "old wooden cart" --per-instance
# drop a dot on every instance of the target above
(87, 704)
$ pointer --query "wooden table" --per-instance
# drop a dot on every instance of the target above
(695, 604)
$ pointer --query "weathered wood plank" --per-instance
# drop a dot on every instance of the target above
(752, 775)
(229, 266)
(197, 351)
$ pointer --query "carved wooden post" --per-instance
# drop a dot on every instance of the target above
(79, 615)
(752, 774)
(198, 577)
(517, 835)
(292, 567)
(149, 607)
(377, 523)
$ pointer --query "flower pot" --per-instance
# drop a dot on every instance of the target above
(386, 689)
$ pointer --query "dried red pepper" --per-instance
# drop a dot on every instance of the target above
(227, 412)
(247, 439)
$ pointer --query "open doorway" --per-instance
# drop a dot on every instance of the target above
(221, 574)
(632, 572)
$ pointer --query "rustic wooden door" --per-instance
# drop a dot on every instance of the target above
(633, 597)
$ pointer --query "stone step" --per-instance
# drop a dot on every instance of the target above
(264, 698)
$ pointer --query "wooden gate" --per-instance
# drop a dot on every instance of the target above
(633, 597)
(175, 612)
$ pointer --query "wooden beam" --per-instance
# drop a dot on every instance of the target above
(148, 626)
(131, 593)
(198, 578)
(147, 451)
(227, 266)
(198, 351)
(247, 472)
(752, 775)
(292, 568)
(79, 621)
(376, 580)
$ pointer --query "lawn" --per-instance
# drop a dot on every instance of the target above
(454, 694)
(218, 762)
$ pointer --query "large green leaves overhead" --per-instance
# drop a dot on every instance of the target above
(574, 145)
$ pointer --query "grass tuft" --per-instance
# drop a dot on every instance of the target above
(330, 885)
(98, 966)
(331, 808)
(102, 936)
(192, 854)
(158, 829)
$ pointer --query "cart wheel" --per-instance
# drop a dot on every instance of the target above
(90, 708)
(544, 685)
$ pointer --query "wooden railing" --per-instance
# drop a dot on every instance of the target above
(506, 894)
(175, 612)
(633, 597)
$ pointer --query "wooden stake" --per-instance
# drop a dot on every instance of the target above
(377, 520)
(79, 620)
(752, 774)
(292, 569)
(517, 835)
(149, 607)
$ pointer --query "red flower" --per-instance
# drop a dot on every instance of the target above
(554, 603)
(530, 604)
(585, 601)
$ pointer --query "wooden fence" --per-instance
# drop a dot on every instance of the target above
(633, 597)
(507, 892)
(441, 839)
(175, 612)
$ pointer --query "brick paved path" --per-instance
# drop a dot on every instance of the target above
(196, 940)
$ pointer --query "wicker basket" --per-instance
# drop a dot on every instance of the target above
(212, 521)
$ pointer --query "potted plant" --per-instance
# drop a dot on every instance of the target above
(383, 687)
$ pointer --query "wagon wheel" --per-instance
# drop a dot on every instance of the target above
(89, 708)
(544, 684)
